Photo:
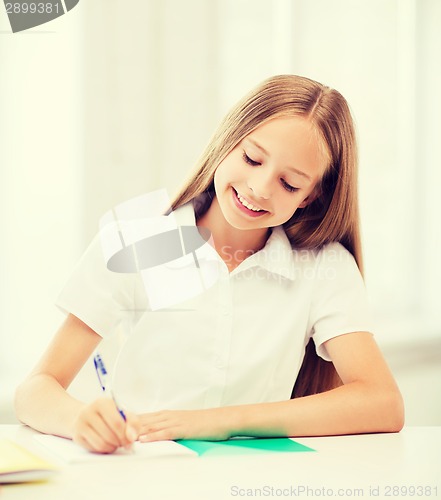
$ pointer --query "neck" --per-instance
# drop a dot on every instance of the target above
(232, 244)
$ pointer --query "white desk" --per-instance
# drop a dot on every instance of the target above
(345, 467)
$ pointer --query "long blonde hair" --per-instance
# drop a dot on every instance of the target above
(333, 215)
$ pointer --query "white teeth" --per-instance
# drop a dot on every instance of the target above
(248, 205)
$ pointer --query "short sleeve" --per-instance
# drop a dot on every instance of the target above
(99, 297)
(339, 302)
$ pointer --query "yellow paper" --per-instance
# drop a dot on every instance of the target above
(17, 464)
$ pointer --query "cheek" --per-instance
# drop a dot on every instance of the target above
(224, 174)
(218, 179)
(288, 207)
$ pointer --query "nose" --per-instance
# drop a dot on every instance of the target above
(260, 184)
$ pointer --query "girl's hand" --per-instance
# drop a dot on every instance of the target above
(211, 424)
(100, 428)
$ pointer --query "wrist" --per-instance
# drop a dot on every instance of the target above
(241, 420)
(258, 420)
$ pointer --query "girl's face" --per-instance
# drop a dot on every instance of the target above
(270, 173)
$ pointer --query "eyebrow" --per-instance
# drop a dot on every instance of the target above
(265, 152)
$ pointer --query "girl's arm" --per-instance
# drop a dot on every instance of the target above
(368, 401)
(42, 402)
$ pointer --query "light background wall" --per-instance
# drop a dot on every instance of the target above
(118, 98)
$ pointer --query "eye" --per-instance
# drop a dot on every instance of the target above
(249, 160)
(288, 187)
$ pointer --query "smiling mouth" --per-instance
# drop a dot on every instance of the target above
(247, 205)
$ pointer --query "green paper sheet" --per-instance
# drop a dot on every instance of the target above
(237, 446)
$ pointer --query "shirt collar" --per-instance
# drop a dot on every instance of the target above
(276, 256)
(184, 215)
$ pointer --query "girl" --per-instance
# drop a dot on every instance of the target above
(280, 345)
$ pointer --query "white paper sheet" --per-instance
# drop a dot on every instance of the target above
(70, 452)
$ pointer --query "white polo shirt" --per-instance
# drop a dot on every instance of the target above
(241, 341)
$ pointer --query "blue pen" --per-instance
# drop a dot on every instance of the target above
(104, 380)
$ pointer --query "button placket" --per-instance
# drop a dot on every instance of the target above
(224, 324)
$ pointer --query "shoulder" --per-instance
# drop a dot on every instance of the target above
(311, 263)
(325, 263)
(328, 253)
(335, 253)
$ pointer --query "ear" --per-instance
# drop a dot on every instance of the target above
(310, 198)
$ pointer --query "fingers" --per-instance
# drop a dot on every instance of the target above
(158, 435)
(184, 424)
(100, 428)
(159, 426)
(149, 421)
(93, 441)
(132, 428)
